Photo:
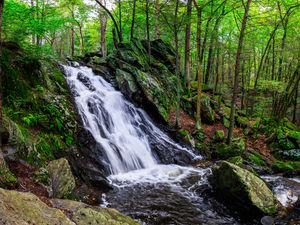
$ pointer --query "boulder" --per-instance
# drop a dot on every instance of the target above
(207, 113)
(243, 190)
(26, 208)
(83, 214)
(62, 179)
(7, 178)
(219, 135)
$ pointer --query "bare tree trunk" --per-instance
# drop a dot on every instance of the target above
(187, 63)
(237, 72)
(148, 31)
(295, 105)
(157, 12)
(133, 20)
(120, 18)
(1, 74)
(273, 59)
(177, 70)
(199, 65)
(81, 40)
(103, 23)
(282, 49)
(113, 19)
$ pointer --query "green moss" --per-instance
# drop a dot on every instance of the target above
(242, 121)
(219, 135)
(226, 122)
(237, 160)
(281, 166)
(257, 159)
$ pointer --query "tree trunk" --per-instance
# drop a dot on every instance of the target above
(133, 20)
(1, 75)
(273, 59)
(81, 40)
(177, 71)
(282, 49)
(120, 18)
(148, 31)
(237, 72)
(199, 65)
(157, 12)
(187, 63)
(295, 105)
(103, 23)
(113, 19)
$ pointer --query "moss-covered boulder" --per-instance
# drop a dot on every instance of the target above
(152, 82)
(243, 190)
(26, 208)
(62, 179)
(83, 214)
(207, 113)
(219, 135)
(7, 178)
(224, 151)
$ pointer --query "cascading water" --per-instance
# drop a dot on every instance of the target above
(145, 188)
(121, 129)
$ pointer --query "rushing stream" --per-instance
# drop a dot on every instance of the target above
(144, 187)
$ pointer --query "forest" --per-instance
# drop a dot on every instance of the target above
(150, 112)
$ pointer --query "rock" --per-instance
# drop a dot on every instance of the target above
(243, 190)
(292, 154)
(225, 151)
(207, 113)
(7, 178)
(242, 121)
(219, 135)
(267, 220)
(26, 208)
(83, 214)
(62, 179)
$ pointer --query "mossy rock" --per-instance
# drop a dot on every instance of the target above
(27, 208)
(226, 122)
(242, 121)
(7, 178)
(283, 166)
(294, 136)
(243, 190)
(207, 113)
(219, 135)
(237, 160)
(292, 154)
(257, 159)
(62, 179)
(290, 125)
(225, 151)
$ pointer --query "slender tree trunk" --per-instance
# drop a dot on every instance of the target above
(157, 12)
(237, 72)
(177, 70)
(1, 74)
(217, 77)
(38, 19)
(187, 63)
(120, 18)
(273, 59)
(148, 31)
(114, 21)
(282, 49)
(103, 24)
(295, 105)
(81, 40)
(243, 85)
(133, 20)
(199, 69)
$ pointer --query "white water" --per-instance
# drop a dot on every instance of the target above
(115, 123)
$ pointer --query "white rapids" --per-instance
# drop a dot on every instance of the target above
(115, 123)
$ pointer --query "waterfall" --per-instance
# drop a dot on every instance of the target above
(122, 130)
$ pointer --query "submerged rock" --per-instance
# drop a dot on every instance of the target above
(62, 179)
(243, 189)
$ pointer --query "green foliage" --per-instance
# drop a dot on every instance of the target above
(282, 166)
(257, 159)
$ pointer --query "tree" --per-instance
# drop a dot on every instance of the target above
(237, 71)
(187, 64)
(1, 86)
(133, 20)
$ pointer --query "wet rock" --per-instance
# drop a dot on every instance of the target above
(26, 208)
(7, 178)
(267, 220)
(83, 214)
(207, 113)
(62, 179)
(243, 190)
